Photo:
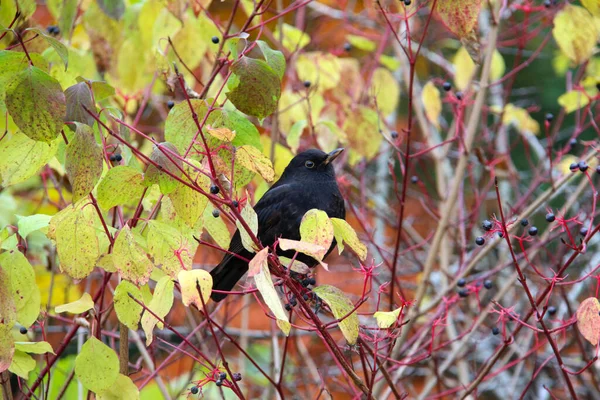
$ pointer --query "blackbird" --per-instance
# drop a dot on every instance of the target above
(307, 182)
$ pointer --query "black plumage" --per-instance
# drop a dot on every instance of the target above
(307, 182)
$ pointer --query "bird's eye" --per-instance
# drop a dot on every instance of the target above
(309, 164)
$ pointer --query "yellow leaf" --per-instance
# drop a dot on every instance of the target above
(460, 17)
(172, 248)
(322, 70)
(361, 42)
(316, 228)
(127, 309)
(386, 90)
(573, 100)
(25, 293)
(345, 234)
(96, 365)
(520, 118)
(588, 320)
(264, 284)
(189, 281)
(432, 103)
(161, 303)
(385, 319)
(34, 347)
(310, 249)
(224, 134)
(498, 66)
(292, 38)
(251, 219)
(216, 228)
(130, 259)
(362, 129)
(575, 33)
(464, 68)
(341, 307)
(82, 305)
(251, 158)
(123, 388)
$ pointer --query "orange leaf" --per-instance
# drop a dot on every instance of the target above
(459, 16)
(588, 320)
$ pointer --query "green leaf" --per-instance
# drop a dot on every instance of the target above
(60, 48)
(254, 160)
(11, 63)
(161, 303)
(255, 88)
(22, 364)
(67, 17)
(274, 58)
(130, 259)
(83, 162)
(385, 319)
(78, 96)
(216, 228)
(102, 90)
(361, 42)
(249, 215)
(128, 310)
(76, 241)
(32, 223)
(293, 136)
(168, 158)
(189, 204)
(345, 234)
(172, 250)
(189, 281)
(80, 306)
(9, 315)
(121, 185)
(340, 306)
(180, 127)
(264, 284)
(96, 365)
(316, 228)
(112, 8)
(122, 388)
(37, 104)
(25, 292)
(245, 131)
(34, 347)
(21, 158)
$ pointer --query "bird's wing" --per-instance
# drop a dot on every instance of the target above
(279, 214)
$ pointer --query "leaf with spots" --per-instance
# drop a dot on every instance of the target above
(254, 160)
(459, 16)
(79, 96)
(11, 64)
(130, 259)
(83, 162)
(128, 310)
(37, 104)
(122, 185)
(316, 228)
(21, 158)
(341, 307)
(96, 365)
(160, 305)
(189, 204)
(167, 158)
(25, 292)
(172, 248)
(8, 316)
(588, 320)
(190, 281)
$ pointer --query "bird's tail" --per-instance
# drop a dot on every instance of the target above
(226, 275)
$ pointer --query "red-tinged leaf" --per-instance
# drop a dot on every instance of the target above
(167, 157)
(588, 319)
(130, 259)
(459, 16)
(79, 96)
(37, 104)
(258, 261)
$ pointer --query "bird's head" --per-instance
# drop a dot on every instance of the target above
(312, 164)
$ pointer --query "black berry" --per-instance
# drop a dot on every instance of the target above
(480, 241)
(495, 330)
(550, 217)
(237, 376)
(573, 166)
(573, 142)
(501, 234)
(112, 158)
(216, 213)
(287, 307)
(293, 301)
(223, 376)
(414, 179)
(305, 296)
(488, 284)
(214, 189)
(407, 2)
(53, 30)
(547, 4)
(306, 84)
(533, 231)
(583, 231)
(487, 225)
(312, 281)
(118, 157)
(305, 282)
(23, 330)
(170, 104)
(463, 293)
(459, 95)
(447, 86)
(347, 47)
(394, 135)
(598, 169)
(461, 282)
(235, 204)
(219, 382)
(551, 310)
(582, 166)
(194, 390)
(524, 222)
(215, 39)
(549, 117)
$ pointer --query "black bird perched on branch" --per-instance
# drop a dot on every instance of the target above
(308, 182)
